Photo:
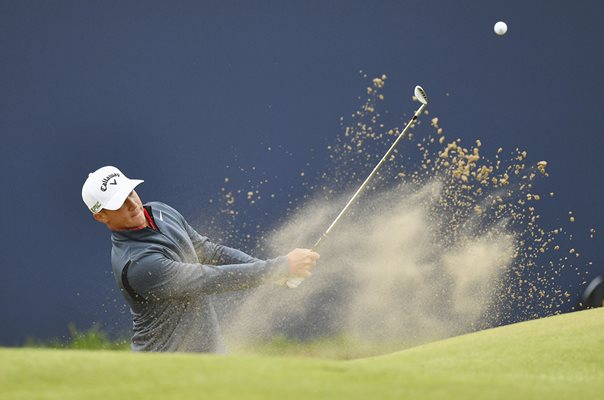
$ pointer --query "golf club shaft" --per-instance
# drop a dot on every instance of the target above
(371, 175)
(293, 283)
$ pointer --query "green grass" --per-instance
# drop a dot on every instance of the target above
(92, 339)
(331, 347)
(558, 357)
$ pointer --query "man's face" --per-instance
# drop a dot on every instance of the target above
(129, 215)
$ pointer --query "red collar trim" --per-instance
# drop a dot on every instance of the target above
(150, 220)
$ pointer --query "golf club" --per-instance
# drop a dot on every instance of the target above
(420, 94)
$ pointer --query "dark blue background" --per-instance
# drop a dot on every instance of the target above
(183, 93)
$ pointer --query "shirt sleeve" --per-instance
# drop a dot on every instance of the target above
(216, 254)
(155, 277)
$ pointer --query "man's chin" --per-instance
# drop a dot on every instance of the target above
(134, 224)
(139, 223)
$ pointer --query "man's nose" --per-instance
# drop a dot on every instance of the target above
(130, 203)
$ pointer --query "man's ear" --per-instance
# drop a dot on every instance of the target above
(100, 216)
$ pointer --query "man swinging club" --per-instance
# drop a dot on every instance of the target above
(167, 272)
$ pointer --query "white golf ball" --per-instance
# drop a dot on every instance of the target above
(500, 28)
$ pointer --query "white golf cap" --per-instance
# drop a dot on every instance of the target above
(107, 188)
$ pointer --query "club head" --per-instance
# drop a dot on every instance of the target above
(421, 95)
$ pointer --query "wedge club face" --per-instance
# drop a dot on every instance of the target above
(421, 95)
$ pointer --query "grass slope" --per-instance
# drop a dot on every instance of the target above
(557, 357)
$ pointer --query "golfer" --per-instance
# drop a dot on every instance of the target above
(167, 272)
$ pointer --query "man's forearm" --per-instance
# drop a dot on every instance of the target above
(229, 255)
(156, 276)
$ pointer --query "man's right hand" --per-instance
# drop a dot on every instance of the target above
(301, 261)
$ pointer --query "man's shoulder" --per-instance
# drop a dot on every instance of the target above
(126, 253)
(159, 206)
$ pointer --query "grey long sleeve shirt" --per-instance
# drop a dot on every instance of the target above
(168, 278)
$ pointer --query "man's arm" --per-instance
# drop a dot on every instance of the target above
(300, 261)
(216, 254)
(155, 277)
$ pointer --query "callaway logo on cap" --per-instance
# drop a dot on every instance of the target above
(107, 188)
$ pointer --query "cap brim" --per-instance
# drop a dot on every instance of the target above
(118, 199)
